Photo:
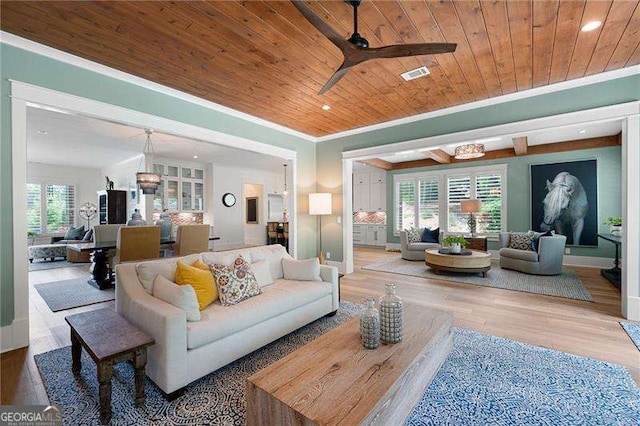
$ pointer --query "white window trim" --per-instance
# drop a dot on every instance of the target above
(442, 176)
(43, 202)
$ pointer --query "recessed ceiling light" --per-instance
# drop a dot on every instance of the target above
(42, 131)
(582, 132)
(590, 26)
(195, 156)
(326, 107)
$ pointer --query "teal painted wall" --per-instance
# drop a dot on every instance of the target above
(329, 153)
(519, 197)
(30, 68)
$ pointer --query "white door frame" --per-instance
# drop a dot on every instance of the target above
(627, 113)
(24, 95)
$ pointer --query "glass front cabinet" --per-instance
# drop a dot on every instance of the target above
(181, 188)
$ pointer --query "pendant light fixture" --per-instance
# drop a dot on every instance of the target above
(469, 151)
(285, 192)
(148, 180)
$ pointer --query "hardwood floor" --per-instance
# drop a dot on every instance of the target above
(588, 329)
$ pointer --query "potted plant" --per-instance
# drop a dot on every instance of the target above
(32, 236)
(615, 225)
(455, 242)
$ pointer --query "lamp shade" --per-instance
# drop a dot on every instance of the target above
(320, 203)
(470, 206)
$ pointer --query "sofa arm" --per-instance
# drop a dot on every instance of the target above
(330, 274)
(164, 322)
(504, 238)
(551, 254)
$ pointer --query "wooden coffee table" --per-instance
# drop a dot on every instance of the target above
(476, 262)
(335, 380)
(108, 338)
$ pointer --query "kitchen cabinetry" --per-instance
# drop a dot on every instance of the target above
(181, 188)
(369, 192)
(370, 235)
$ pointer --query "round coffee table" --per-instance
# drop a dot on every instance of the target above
(477, 261)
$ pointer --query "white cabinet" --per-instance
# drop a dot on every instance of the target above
(369, 192)
(181, 188)
(370, 235)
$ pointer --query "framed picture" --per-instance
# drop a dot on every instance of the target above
(564, 198)
(252, 209)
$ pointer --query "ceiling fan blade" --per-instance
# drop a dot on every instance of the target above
(401, 50)
(320, 25)
(340, 72)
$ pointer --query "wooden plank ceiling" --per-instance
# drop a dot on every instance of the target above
(265, 59)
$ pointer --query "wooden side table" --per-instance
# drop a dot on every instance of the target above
(108, 339)
(476, 243)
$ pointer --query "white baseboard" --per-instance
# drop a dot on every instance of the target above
(633, 308)
(14, 336)
(342, 266)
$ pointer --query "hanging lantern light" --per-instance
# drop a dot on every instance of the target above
(148, 180)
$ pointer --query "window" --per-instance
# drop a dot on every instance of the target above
(432, 199)
(50, 208)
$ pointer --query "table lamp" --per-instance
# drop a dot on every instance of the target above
(471, 207)
(320, 205)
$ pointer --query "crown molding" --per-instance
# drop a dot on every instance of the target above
(58, 55)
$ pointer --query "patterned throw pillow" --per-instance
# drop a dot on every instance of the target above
(521, 240)
(413, 236)
(235, 282)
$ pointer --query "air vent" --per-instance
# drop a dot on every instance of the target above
(417, 73)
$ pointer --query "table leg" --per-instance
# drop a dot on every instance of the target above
(139, 362)
(76, 352)
(100, 270)
(105, 371)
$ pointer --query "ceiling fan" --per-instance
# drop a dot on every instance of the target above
(356, 49)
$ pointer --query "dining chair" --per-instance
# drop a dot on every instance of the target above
(191, 239)
(272, 232)
(107, 234)
(137, 243)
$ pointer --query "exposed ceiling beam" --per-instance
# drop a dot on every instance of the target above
(438, 155)
(520, 145)
(379, 163)
(574, 145)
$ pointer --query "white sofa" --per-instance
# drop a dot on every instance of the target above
(185, 351)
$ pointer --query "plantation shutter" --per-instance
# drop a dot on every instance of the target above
(34, 208)
(489, 191)
(405, 204)
(428, 210)
(458, 188)
(61, 207)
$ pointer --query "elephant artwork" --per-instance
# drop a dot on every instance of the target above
(564, 200)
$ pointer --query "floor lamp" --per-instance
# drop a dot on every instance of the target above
(320, 205)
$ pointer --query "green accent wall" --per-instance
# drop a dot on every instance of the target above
(27, 67)
(329, 153)
(519, 197)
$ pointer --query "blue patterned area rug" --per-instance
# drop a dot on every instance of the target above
(633, 330)
(485, 380)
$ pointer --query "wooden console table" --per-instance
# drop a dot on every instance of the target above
(613, 275)
(476, 243)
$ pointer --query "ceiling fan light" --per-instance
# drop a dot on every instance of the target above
(469, 151)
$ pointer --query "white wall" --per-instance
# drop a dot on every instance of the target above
(123, 175)
(87, 182)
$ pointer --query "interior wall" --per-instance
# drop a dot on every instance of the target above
(254, 233)
(123, 175)
(329, 153)
(87, 182)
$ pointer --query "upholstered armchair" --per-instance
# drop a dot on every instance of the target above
(546, 260)
(415, 251)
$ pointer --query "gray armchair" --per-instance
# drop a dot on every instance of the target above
(415, 251)
(547, 260)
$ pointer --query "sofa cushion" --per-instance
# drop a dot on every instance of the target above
(74, 233)
(301, 270)
(201, 281)
(521, 240)
(282, 296)
(422, 246)
(226, 257)
(235, 282)
(262, 272)
(413, 235)
(272, 254)
(147, 271)
(88, 236)
(429, 236)
(180, 296)
(528, 255)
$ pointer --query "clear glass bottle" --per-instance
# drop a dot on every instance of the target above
(391, 328)
(370, 325)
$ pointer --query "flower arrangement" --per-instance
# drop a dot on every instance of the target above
(450, 240)
(613, 221)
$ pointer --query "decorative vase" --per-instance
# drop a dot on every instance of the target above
(391, 327)
(164, 222)
(136, 219)
(370, 325)
(455, 248)
(615, 230)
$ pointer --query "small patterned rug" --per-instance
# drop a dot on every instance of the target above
(69, 294)
(633, 330)
(485, 380)
(43, 264)
(566, 285)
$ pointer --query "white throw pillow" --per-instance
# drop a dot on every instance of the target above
(180, 296)
(301, 270)
(262, 272)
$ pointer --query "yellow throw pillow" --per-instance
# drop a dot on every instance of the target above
(201, 281)
(201, 265)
